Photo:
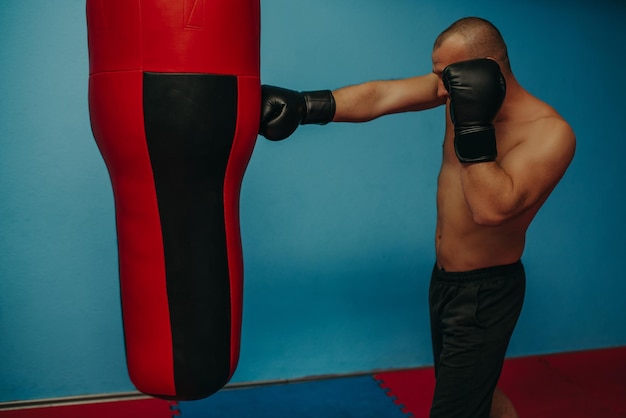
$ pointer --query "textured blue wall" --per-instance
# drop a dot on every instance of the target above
(337, 222)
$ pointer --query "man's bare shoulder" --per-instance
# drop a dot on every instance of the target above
(541, 139)
(542, 123)
(553, 131)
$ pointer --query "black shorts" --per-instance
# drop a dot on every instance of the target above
(472, 316)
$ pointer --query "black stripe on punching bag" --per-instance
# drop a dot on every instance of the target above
(190, 122)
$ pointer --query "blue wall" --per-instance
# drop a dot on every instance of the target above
(337, 222)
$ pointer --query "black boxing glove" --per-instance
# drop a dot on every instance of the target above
(476, 89)
(282, 110)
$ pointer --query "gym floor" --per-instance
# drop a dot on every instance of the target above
(586, 384)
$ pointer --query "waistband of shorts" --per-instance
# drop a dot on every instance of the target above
(478, 274)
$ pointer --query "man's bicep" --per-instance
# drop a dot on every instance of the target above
(411, 94)
(370, 100)
(537, 165)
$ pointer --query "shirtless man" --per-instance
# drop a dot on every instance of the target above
(504, 151)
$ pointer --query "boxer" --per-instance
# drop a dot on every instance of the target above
(504, 151)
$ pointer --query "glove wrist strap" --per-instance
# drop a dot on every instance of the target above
(475, 145)
(320, 107)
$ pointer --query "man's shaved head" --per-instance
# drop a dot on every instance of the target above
(481, 38)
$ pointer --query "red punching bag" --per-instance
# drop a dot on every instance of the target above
(174, 100)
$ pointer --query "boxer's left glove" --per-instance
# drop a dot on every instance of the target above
(476, 89)
(282, 110)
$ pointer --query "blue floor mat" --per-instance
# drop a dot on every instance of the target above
(348, 397)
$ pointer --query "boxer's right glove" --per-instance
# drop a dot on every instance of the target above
(476, 89)
(282, 110)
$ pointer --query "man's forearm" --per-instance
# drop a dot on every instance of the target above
(357, 103)
(489, 192)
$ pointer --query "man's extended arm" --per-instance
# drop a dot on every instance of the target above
(283, 110)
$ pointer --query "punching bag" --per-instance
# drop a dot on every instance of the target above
(174, 101)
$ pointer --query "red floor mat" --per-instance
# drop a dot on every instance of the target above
(152, 408)
(575, 385)
(412, 389)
